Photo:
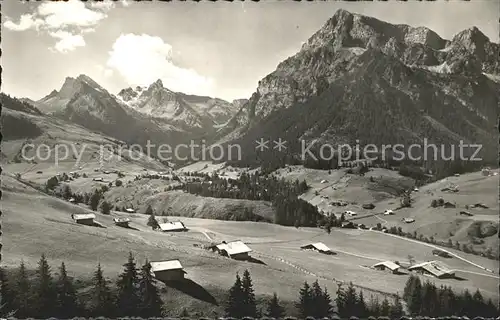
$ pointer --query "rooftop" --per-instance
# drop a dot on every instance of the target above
(165, 265)
(234, 247)
(319, 246)
(388, 264)
(169, 226)
(83, 216)
(433, 267)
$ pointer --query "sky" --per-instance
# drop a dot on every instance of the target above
(219, 49)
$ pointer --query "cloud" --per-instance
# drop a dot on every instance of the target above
(68, 41)
(143, 59)
(26, 21)
(66, 21)
(71, 13)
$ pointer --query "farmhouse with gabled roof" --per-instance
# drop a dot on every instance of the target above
(234, 249)
(318, 246)
(433, 268)
(169, 270)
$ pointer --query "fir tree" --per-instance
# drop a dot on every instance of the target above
(94, 200)
(414, 297)
(45, 293)
(396, 309)
(152, 222)
(101, 301)
(6, 294)
(305, 305)
(234, 306)
(151, 303)
(23, 296)
(105, 207)
(149, 210)
(385, 308)
(361, 305)
(67, 303)
(250, 306)
(274, 309)
(128, 301)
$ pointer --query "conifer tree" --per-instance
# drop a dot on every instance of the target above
(234, 306)
(478, 304)
(128, 301)
(361, 305)
(6, 294)
(67, 303)
(396, 309)
(305, 305)
(250, 306)
(151, 303)
(152, 222)
(45, 293)
(23, 297)
(101, 301)
(385, 308)
(414, 299)
(274, 309)
(94, 200)
(321, 301)
(374, 306)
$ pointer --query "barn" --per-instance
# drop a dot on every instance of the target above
(170, 270)
(86, 219)
(130, 210)
(433, 268)
(172, 226)
(318, 246)
(234, 249)
(122, 222)
(387, 265)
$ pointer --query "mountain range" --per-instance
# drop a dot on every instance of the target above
(355, 79)
(359, 78)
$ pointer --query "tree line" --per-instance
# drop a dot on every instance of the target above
(283, 195)
(425, 299)
(43, 295)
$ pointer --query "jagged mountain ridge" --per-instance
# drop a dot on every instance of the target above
(136, 115)
(160, 102)
(413, 64)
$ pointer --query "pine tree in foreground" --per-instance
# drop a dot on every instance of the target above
(274, 309)
(396, 309)
(249, 303)
(23, 296)
(128, 301)
(234, 306)
(67, 302)
(45, 293)
(305, 305)
(101, 299)
(151, 303)
(6, 295)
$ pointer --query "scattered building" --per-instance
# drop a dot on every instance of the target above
(318, 246)
(130, 210)
(479, 205)
(235, 249)
(324, 181)
(72, 200)
(87, 219)
(122, 222)
(348, 225)
(368, 206)
(172, 226)
(408, 220)
(387, 265)
(466, 213)
(433, 268)
(350, 213)
(98, 179)
(171, 270)
(486, 171)
(448, 204)
(388, 212)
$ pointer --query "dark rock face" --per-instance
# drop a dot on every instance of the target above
(362, 78)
